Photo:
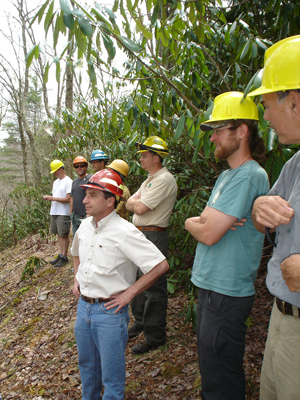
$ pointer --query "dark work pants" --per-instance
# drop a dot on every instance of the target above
(150, 307)
(221, 333)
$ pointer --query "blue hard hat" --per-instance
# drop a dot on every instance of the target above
(98, 155)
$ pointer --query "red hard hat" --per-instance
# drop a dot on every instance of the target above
(80, 159)
(106, 180)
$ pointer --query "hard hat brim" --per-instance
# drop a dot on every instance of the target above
(209, 126)
(261, 90)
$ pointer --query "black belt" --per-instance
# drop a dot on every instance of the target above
(287, 308)
(151, 228)
(92, 301)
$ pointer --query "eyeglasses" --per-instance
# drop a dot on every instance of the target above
(79, 166)
(231, 128)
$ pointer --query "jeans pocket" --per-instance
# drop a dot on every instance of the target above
(111, 311)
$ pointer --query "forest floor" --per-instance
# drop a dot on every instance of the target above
(38, 355)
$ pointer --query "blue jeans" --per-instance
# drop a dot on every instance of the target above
(101, 338)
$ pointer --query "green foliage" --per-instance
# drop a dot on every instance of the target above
(32, 265)
(26, 212)
(180, 57)
(189, 312)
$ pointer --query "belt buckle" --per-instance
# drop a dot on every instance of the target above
(295, 311)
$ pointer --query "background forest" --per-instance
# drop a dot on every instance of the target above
(109, 74)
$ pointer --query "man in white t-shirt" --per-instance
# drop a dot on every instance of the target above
(60, 210)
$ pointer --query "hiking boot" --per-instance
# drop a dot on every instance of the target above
(144, 347)
(134, 330)
(63, 260)
(53, 262)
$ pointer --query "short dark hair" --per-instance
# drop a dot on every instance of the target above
(107, 195)
(281, 95)
(160, 157)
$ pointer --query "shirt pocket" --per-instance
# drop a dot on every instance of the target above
(105, 258)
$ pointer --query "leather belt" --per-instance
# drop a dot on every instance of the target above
(151, 228)
(92, 301)
(287, 308)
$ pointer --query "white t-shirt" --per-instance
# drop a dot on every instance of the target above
(109, 255)
(61, 187)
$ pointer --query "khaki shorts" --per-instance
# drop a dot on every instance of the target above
(60, 225)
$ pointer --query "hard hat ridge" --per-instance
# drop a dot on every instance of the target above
(230, 106)
(281, 68)
(107, 181)
(155, 144)
(119, 166)
(98, 155)
(80, 159)
(55, 165)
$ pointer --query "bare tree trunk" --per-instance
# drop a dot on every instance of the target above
(69, 95)
(23, 98)
(24, 150)
(45, 91)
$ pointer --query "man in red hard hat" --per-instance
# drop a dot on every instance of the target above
(77, 208)
(107, 250)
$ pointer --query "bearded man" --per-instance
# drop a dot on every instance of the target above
(228, 255)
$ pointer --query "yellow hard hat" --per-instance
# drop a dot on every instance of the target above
(119, 166)
(154, 144)
(230, 106)
(55, 165)
(281, 71)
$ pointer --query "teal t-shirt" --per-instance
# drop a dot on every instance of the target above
(230, 266)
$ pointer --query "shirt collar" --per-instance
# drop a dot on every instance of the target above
(160, 171)
(104, 221)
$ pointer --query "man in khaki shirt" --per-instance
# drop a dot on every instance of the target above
(152, 206)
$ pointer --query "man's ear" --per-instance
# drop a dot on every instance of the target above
(242, 131)
(111, 201)
(156, 158)
(294, 102)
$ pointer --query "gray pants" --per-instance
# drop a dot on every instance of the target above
(150, 307)
(76, 221)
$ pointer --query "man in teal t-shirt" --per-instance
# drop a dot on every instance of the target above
(227, 257)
